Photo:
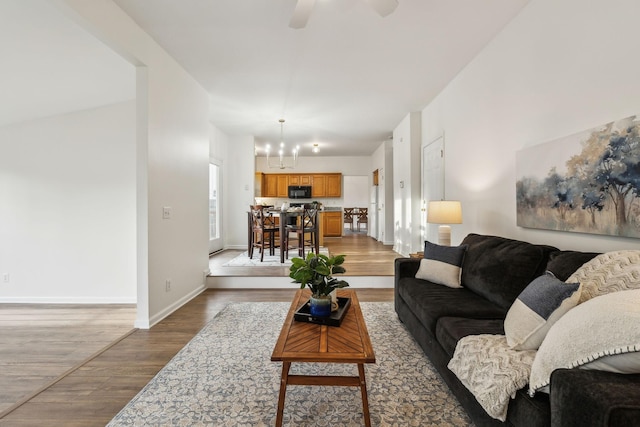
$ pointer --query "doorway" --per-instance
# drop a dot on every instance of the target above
(215, 214)
(432, 182)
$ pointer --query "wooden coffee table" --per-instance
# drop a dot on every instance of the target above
(309, 342)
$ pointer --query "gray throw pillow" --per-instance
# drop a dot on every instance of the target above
(536, 309)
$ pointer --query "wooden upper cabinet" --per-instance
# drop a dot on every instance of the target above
(334, 185)
(319, 186)
(269, 185)
(282, 185)
(297, 179)
(294, 179)
(305, 180)
(275, 185)
(322, 185)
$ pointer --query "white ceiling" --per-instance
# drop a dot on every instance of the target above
(344, 82)
(52, 66)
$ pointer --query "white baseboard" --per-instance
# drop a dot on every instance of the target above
(153, 320)
(66, 300)
(239, 247)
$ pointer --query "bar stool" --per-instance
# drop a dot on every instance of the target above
(362, 218)
(263, 231)
(307, 225)
(348, 217)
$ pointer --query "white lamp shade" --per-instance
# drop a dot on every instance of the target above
(444, 212)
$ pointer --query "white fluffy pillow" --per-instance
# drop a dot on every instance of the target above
(603, 326)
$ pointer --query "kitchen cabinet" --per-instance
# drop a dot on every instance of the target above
(297, 179)
(332, 224)
(275, 185)
(333, 185)
(322, 184)
(326, 185)
(269, 185)
(318, 186)
(282, 185)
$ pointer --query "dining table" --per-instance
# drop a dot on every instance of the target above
(283, 220)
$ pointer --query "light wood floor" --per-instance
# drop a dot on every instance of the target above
(365, 256)
(91, 393)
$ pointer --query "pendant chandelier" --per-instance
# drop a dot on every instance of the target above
(281, 162)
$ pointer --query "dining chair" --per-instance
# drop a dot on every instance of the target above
(306, 229)
(362, 218)
(263, 231)
(348, 217)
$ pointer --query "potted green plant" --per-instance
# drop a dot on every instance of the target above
(316, 272)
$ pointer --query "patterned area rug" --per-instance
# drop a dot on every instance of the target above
(243, 259)
(224, 377)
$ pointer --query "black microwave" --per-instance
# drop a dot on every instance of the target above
(299, 191)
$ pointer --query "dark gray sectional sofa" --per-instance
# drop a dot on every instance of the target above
(494, 272)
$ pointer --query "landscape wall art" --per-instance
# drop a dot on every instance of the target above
(585, 183)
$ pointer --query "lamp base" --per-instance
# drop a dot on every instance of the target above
(444, 235)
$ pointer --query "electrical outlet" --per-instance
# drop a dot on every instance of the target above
(167, 285)
(166, 212)
(6, 278)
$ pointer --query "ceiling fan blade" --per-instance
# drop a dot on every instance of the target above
(301, 13)
(383, 7)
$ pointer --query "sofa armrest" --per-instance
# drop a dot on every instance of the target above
(403, 267)
(406, 267)
(581, 397)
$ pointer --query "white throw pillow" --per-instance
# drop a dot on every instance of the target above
(545, 300)
(442, 264)
(603, 326)
(609, 272)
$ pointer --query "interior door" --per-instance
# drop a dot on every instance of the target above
(432, 182)
(215, 214)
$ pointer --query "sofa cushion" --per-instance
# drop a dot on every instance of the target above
(429, 302)
(498, 268)
(441, 264)
(563, 264)
(449, 330)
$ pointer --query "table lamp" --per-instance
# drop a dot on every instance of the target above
(444, 212)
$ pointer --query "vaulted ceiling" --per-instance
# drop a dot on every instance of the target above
(344, 81)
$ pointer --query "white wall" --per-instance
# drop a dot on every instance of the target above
(67, 216)
(173, 162)
(354, 165)
(240, 191)
(382, 160)
(356, 191)
(556, 69)
(406, 185)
